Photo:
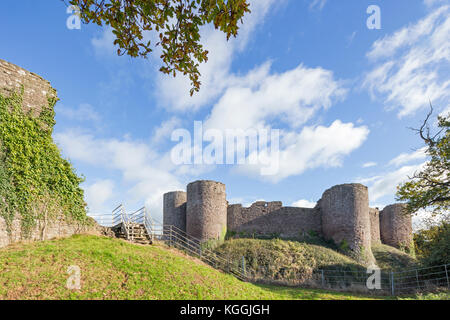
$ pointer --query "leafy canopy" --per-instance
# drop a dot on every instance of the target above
(433, 244)
(176, 22)
(430, 188)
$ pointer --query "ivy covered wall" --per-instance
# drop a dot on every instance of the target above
(37, 185)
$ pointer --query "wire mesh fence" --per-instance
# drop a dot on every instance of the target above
(385, 281)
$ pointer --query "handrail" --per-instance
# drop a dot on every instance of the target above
(178, 238)
(173, 236)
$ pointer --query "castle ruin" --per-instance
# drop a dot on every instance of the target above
(342, 215)
(35, 94)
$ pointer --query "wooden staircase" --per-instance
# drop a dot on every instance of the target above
(134, 232)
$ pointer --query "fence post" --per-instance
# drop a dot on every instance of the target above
(323, 279)
(243, 266)
(170, 236)
(446, 274)
(392, 283)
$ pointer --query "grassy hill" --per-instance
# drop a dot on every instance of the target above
(115, 269)
(391, 258)
(287, 262)
(284, 262)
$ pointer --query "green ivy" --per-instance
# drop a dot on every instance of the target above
(7, 194)
(32, 171)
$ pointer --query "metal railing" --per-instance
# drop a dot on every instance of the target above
(179, 239)
(138, 216)
(119, 215)
(102, 219)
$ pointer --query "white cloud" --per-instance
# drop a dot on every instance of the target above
(430, 3)
(404, 166)
(313, 147)
(317, 4)
(97, 195)
(387, 184)
(411, 64)
(262, 99)
(292, 97)
(149, 173)
(304, 204)
(84, 112)
(104, 44)
(165, 130)
(405, 158)
(369, 164)
(258, 99)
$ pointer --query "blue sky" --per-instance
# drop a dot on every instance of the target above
(342, 96)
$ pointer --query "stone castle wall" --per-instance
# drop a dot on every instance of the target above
(396, 226)
(54, 229)
(37, 90)
(342, 215)
(206, 210)
(345, 219)
(374, 214)
(175, 209)
(271, 218)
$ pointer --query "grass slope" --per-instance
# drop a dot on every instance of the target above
(115, 269)
(391, 258)
(285, 262)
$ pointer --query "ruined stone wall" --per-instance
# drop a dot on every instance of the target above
(346, 221)
(36, 94)
(396, 226)
(54, 229)
(174, 210)
(36, 89)
(272, 219)
(206, 210)
(342, 215)
(374, 214)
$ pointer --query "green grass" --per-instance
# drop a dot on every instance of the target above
(388, 257)
(429, 296)
(288, 262)
(285, 262)
(115, 269)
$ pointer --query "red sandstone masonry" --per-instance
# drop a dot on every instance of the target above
(345, 219)
(266, 218)
(206, 210)
(396, 226)
(343, 215)
(174, 211)
(374, 214)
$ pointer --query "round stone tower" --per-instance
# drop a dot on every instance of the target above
(346, 220)
(374, 214)
(396, 226)
(174, 210)
(206, 210)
